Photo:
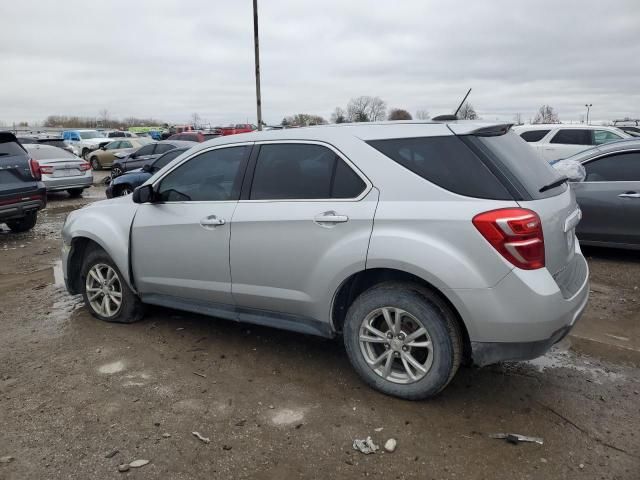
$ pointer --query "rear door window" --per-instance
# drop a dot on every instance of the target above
(447, 162)
(534, 135)
(163, 148)
(303, 171)
(146, 150)
(621, 167)
(572, 136)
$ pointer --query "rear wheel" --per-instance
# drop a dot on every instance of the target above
(85, 153)
(95, 163)
(105, 291)
(116, 171)
(403, 340)
(23, 224)
(75, 192)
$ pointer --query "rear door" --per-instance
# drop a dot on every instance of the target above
(566, 142)
(610, 199)
(15, 174)
(305, 215)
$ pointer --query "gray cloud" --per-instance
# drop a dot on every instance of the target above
(167, 59)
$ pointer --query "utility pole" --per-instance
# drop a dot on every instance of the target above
(588, 105)
(257, 57)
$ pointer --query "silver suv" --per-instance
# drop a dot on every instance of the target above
(424, 245)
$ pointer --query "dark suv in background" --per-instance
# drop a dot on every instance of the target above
(22, 193)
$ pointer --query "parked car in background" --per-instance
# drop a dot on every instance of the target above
(194, 136)
(56, 142)
(631, 130)
(558, 140)
(609, 196)
(22, 193)
(126, 183)
(61, 170)
(144, 155)
(237, 128)
(120, 134)
(84, 141)
(107, 154)
(420, 244)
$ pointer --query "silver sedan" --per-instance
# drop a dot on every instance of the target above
(60, 169)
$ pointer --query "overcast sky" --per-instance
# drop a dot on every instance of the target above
(167, 58)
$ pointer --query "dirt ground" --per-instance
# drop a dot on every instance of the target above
(79, 397)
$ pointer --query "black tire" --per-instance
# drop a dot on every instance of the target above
(131, 308)
(125, 189)
(85, 153)
(95, 163)
(75, 192)
(116, 171)
(434, 314)
(23, 224)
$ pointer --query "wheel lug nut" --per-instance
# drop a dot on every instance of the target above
(389, 335)
(405, 348)
(401, 336)
(396, 354)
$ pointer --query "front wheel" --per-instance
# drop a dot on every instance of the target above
(125, 190)
(23, 224)
(105, 291)
(403, 340)
(95, 163)
(116, 171)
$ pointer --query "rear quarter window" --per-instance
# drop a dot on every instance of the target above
(11, 148)
(534, 135)
(447, 162)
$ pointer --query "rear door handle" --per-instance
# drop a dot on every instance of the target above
(330, 217)
(630, 195)
(212, 221)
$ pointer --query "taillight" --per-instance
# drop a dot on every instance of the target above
(34, 166)
(46, 170)
(516, 233)
(84, 166)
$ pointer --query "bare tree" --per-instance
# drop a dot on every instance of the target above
(546, 114)
(399, 114)
(423, 114)
(517, 118)
(103, 117)
(366, 109)
(339, 116)
(303, 120)
(467, 112)
(195, 120)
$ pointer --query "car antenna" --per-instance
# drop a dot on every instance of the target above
(445, 118)
(462, 103)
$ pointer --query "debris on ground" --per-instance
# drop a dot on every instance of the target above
(365, 446)
(200, 374)
(123, 468)
(7, 459)
(111, 454)
(390, 445)
(379, 429)
(200, 437)
(138, 463)
(227, 447)
(166, 435)
(516, 438)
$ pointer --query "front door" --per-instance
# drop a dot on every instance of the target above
(610, 199)
(180, 243)
(306, 219)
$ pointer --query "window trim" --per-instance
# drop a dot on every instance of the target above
(242, 173)
(251, 168)
(610, 154)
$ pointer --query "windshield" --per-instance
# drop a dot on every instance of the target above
(88, 134)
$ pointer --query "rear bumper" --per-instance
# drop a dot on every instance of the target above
(24, 204)
(524, 314)
(65, 183)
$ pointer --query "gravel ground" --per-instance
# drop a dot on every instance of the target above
(79, 397)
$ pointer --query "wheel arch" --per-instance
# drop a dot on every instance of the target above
(361, 281)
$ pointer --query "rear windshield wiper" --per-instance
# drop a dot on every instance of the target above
(555, 184)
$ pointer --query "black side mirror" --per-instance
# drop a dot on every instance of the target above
(144, 194)
(147, 168)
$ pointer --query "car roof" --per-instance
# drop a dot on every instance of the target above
(178, 143)
(610, 147)
(547, 126)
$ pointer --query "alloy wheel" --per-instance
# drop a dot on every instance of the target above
(396, 345)
(104, 290)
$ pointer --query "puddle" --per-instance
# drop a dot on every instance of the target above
(58, 275)
(562, 358)
(287, 416)
(111, 368)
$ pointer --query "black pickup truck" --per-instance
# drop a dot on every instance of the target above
(22, 193)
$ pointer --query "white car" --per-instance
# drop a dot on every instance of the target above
(557, 141)
(84, 142)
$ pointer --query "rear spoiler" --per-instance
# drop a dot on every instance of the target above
(492, 131)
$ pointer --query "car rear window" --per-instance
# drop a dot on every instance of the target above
(519, 164)
(446, 161)
(534, 135)
(50, 153)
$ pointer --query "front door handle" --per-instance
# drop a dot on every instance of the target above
(630, 195)
(330, 217)
(212, 221)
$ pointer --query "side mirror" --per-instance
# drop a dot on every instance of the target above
(147, 168)
(571, 169)
(103, 147)
(143, 194)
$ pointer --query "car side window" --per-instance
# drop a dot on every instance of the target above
(302, 171)
(163, 148)
(604, 136)
(621, 167)
(113, 146)
(125, 144)
(211, 176)
(572, 136)
(534, 135)
(146, 150)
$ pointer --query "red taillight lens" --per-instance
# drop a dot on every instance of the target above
(34, 166)
(516, 233)
(84, 166)
(44, 170)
